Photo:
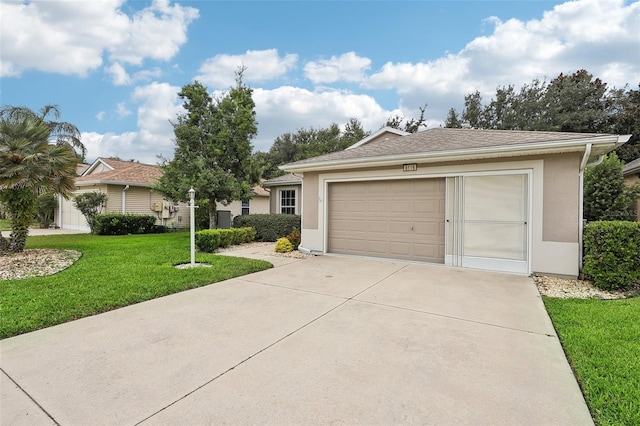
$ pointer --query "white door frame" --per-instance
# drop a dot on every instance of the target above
(454, 226)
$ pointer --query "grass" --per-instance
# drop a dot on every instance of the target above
(602, 341)
(5, 225)
(114, 271)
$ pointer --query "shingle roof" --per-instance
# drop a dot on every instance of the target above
(287, 179)
(631, 166)
(444, 140)
(124, 171)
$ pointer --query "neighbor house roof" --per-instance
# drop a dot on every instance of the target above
(259, 191)
(288, 179)
(631, 167)
(117, 172)
(445, 144)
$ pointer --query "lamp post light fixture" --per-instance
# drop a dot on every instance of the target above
(192, 224)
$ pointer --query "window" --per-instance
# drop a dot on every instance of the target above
(245, 207)
(288, 201)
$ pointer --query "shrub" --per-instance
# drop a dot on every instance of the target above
(283, 245)
(269, 227)
(45, 206)
(123, 224)
(612, 254)
(294, 238)
(90, 204)
(209, 240)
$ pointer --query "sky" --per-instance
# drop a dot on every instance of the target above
(115, 67)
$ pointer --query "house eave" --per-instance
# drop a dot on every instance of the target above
(94, 182)
(601, 145)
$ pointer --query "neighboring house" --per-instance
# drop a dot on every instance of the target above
(631, 173)
(258, 204)
(286, 192)
(128, 186)
(484, 199)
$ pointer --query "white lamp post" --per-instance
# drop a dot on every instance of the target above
(192, 224)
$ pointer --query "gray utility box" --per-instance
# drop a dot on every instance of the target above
(224, 219)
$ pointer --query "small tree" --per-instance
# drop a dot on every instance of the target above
(90, 204)
(606, 197)
(213, 147)
(45, 208)
(30, 164)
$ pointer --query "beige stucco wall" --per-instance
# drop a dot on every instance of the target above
(561, 202)
(274, 203)
(257, 205)
(554, 223)
(137, 200)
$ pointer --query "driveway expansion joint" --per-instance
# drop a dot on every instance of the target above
(29, 396)
(456, 318)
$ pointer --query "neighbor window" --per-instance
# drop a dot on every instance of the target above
(288, 201)
(245, 207)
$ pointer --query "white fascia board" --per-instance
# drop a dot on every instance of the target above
(378, 133)
(94, 165)
(574, 145)
(112, 182)
(283, 183)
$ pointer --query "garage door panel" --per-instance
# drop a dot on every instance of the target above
(403, 219)
(376, 247)
(378, 226)
(402, 206)
(427, 229)
(399, 249)
(397, 227)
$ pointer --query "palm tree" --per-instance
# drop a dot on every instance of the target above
(31, 165)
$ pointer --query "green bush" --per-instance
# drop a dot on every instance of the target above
(45, 207)
(124, 224)
(209, 240)
(269, 227)
(612, 254)
(283, 245)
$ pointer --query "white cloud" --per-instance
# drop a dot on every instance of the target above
(158, 105)
(100, 116)
(155, 32)
(119, 75)
(346, 67)
(288, 109)
(600, 36)
(70, 37)
(261, 65)
(121, 110)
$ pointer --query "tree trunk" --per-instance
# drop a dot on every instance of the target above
(212, 213)
(20, 205)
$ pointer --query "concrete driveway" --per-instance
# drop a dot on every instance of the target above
(316, 341)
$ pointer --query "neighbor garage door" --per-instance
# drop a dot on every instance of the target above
(397, 219)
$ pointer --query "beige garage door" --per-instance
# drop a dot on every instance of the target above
(397, 219)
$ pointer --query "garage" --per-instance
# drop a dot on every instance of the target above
(396, 219)
(500, 200)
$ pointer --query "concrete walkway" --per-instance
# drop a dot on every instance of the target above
(315, 341)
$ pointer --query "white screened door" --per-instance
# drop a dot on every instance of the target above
(487, 222)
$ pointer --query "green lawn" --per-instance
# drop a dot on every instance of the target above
(602, 341)
(114, 271)
(4, 225)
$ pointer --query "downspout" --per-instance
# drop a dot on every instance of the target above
(124, 199)
(60, 200)
(583, 165)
